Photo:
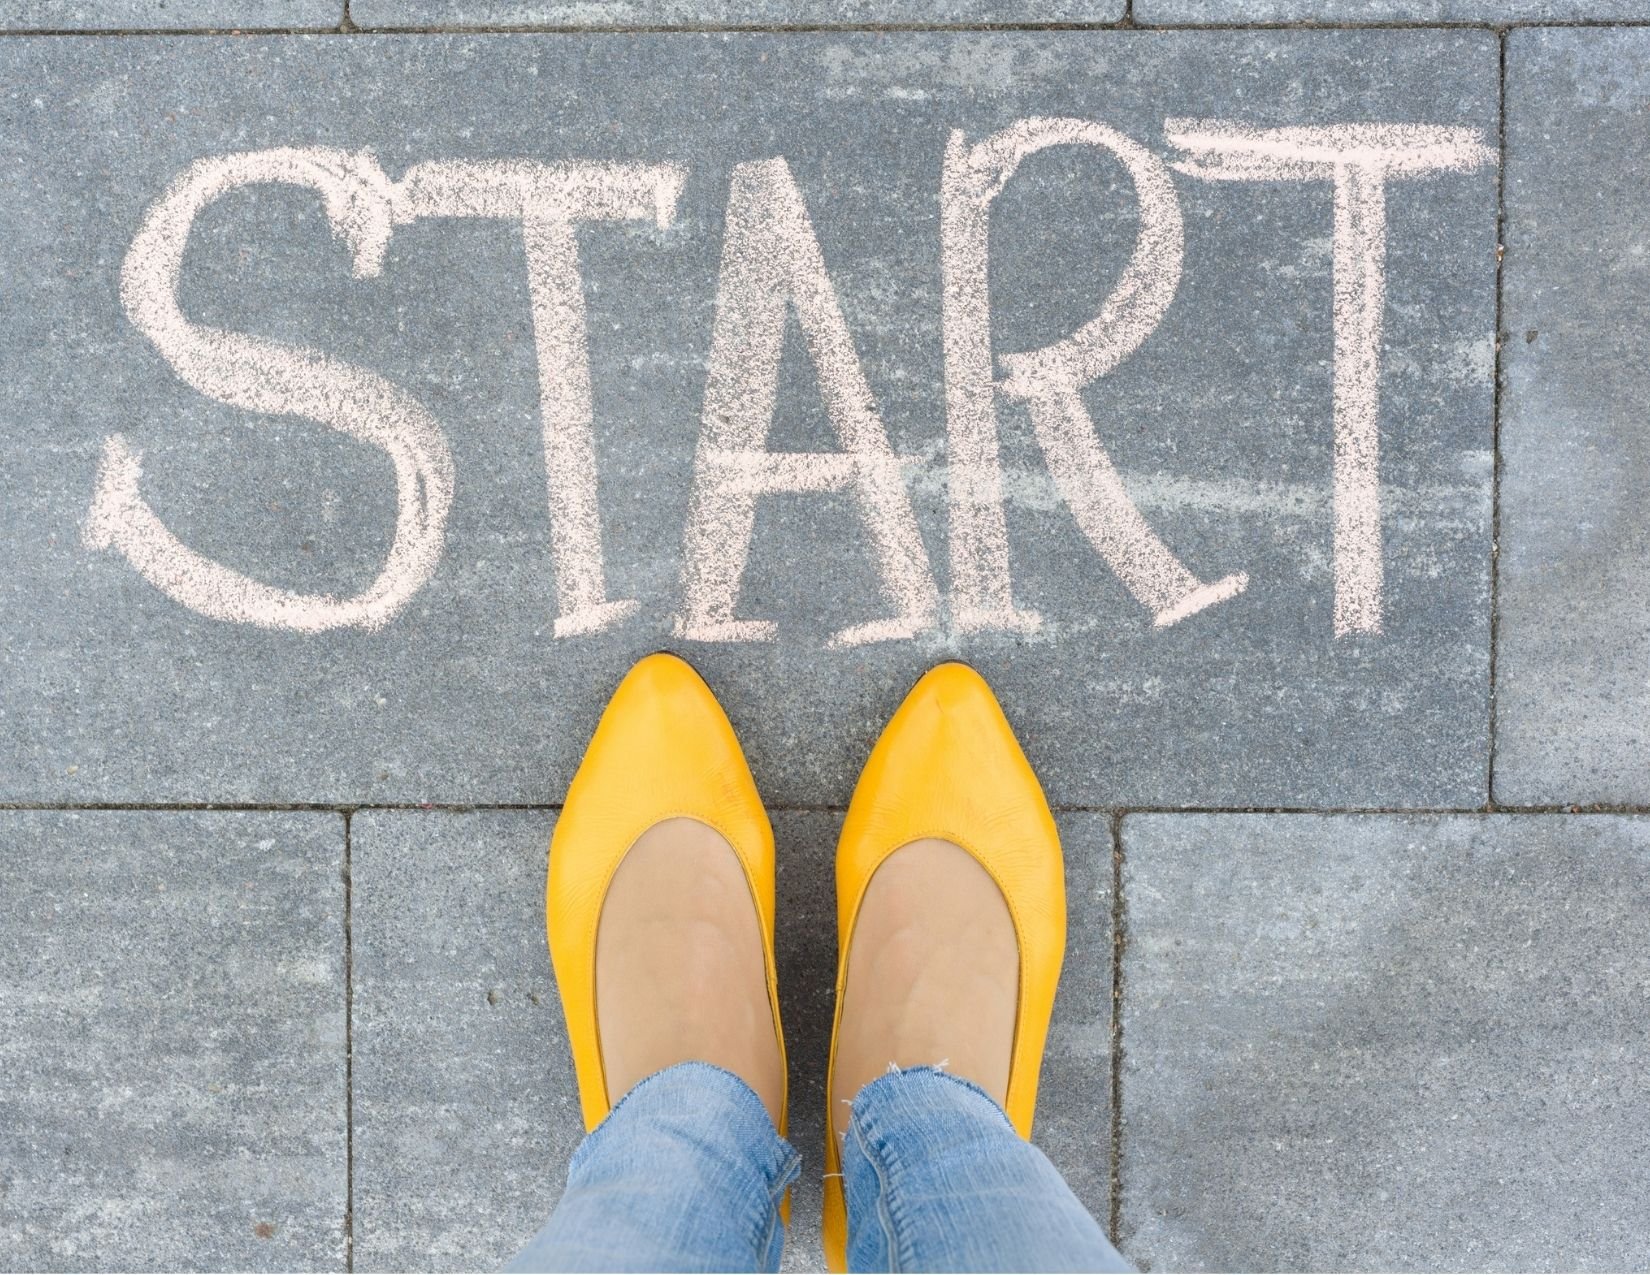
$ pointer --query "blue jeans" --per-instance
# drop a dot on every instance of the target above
(687, 1171)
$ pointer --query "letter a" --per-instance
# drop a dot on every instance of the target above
(771, 259)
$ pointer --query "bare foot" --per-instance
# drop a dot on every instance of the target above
(680, 975)
(933, 975)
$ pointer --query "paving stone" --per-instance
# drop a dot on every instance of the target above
(722, 13)
(172, 1041)
(1171, 12)
(1574, 636)
(168, 15)
(1385, 1043)
(465, 1105)
(1221, 425)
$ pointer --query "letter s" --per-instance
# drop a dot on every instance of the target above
(264, 376)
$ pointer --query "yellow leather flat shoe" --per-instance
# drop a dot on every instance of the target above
(949, 767)
(663, 749)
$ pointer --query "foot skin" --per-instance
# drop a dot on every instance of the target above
(680, 975)
(933, 975)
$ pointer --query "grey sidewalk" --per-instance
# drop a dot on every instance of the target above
(1347, 745)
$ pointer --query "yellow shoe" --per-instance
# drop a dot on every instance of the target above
(663, 749)
(948, 767)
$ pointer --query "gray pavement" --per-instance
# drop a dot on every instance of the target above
(465, 1105)
(389, 14)
(1338, 12)
(169, 15)
(1573, 700)
(374, 399)
(1222, 423)
(173, 999)
(1385, 1042)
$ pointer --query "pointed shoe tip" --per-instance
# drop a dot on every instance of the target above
(953, 683)
(661, 664)
(662, 687)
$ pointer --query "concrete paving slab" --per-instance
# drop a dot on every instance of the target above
(1572, 699)
(142, 511)
(172, 1041)
(464, 1102)
(371, 14)
(465, 1106)
(169, 15)
(1385, 1043)
(1191, 12)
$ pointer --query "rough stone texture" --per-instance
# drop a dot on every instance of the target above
(465, 1105)
(1574, 643)
(168, 15)
(1171, 12)
(1220, 424)
(1383, 1043)
(723, 13)
(172, 1041)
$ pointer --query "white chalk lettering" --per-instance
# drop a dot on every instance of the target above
(263, 376)
(1050, 381)
(1359, 159)
(364, 205)
(550, 201)
(771, 260)
(772, 265)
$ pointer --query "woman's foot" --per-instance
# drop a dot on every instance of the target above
(933, 975)
(680, 975)
(659, 897)
(951, 912)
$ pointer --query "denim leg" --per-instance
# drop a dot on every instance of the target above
(937, 1179)
(685, 1174)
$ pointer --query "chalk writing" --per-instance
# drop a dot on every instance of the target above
(772, 265)
(1359, 159)
(770, 258)
(1050, 381)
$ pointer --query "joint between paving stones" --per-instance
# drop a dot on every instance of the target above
(347, 26)
(481, 807)
(1394, 24)
(349, 1056)
(1495, 417)
(1114, 1222)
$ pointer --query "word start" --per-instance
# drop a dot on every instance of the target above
(771, 264)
